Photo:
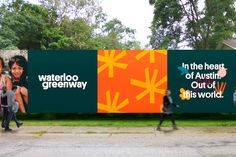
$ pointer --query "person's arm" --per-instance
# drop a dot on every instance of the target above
(19, 100)
(8, 83)
(24, 92)
(175, 105)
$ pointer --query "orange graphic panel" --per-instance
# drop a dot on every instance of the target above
(131, 81)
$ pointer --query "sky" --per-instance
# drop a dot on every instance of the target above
(136, 14)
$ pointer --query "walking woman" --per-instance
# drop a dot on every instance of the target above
(167, 110)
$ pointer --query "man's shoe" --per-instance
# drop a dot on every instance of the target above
(8, 129)
(3, 126)
(175, 127)
(19, 124)
(158, 128)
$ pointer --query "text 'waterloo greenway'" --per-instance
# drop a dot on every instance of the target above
(61, 81)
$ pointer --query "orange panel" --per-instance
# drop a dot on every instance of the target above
(131, 81)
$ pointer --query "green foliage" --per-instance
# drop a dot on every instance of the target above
(22, 24)
(79, 32)
(61, 24)
(53, 38)
(178, 22)
(116, 36)
(7, 38)
(116, 120)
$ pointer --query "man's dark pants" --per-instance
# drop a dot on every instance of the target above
(6, 117)
(163, 117)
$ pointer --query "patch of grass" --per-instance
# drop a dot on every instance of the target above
(126, 120)
(129, 123)
(90, 132)
(40, 133)
(123, 116)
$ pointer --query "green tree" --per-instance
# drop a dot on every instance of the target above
(61, 24)
(82, 9)
(178, 22)
(53, 38)
(29, 26)
(114, 35)
(84, 22)
(79, 32)
(8, 37)
(22, 24)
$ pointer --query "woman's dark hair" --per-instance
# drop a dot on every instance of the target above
(20, 61)
(2, 62)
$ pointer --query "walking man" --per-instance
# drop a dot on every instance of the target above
(167, 110)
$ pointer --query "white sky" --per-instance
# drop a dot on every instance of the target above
(136, 14)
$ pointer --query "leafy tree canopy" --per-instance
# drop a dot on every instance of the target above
(61, 24)
(182, 22)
